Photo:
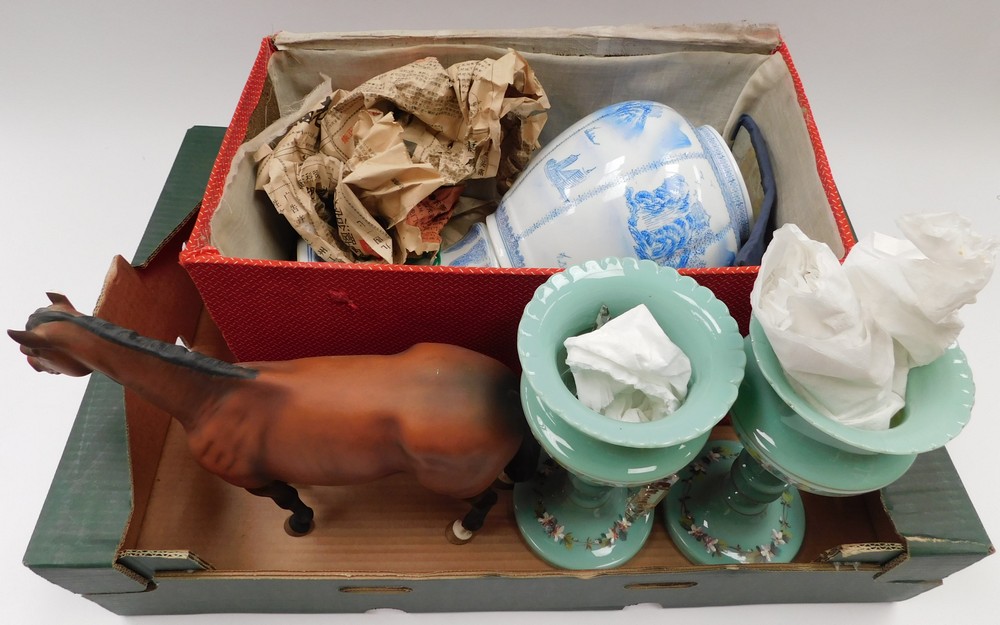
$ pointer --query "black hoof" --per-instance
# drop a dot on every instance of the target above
(298, 527)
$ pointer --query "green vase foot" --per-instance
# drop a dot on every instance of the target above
(578, 529)
(705, 525)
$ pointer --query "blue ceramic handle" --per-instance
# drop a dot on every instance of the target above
(752, 251)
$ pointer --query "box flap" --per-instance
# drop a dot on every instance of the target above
(88, 508)
(182, 191)
(595, 40)
(75, 542)
(933, 514)
(148, 563)
(869, 553)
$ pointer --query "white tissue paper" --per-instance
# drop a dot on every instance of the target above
(628, 369)
(914, 287)
(832, 352)
(848, 335)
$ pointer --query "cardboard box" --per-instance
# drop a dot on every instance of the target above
(133, 524)
(268, 306)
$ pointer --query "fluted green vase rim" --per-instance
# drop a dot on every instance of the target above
(691, 316)
(938, 404)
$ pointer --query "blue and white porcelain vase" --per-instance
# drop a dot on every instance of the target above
(634, 179)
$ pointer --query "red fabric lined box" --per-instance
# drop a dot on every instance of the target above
(270, 307)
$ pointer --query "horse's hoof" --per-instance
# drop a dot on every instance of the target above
(503, 482)
(298, 528)
(457, 535)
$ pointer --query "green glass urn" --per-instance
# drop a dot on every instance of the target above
(591, 504)
(740, 503)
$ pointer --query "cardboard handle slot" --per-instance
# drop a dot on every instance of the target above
(661, 586)
(376, 590)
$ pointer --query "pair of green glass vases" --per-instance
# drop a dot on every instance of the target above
(593, 502)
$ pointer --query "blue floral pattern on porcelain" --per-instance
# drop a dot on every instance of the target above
(669, 226)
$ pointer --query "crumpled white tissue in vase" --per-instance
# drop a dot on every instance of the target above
(848, 335)
(628, 369)
(914, 287)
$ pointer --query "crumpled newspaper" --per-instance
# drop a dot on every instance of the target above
(373, 174)
(628, 369)
(847, 336)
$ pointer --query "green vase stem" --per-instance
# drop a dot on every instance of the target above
(587, 494)
(726, 507)
(750, 487)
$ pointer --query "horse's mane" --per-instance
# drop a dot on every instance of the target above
(174, 354)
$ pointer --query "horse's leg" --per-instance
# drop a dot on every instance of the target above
(287, 498)
(522, 466)
(462, 531)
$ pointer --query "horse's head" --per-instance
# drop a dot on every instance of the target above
(36, 340)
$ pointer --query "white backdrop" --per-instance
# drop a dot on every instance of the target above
(95, 98)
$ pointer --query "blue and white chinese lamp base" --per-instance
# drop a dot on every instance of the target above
(631, 179)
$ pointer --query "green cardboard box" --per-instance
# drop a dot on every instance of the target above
(131, 523)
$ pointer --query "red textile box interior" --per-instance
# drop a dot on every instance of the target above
(278, 308)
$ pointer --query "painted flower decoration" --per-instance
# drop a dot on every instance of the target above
(552, 527)
(618, 531)
(668, 225)
(712, 545)
(766, 552)
(559, 533)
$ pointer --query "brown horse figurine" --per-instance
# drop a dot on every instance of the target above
(448, 415)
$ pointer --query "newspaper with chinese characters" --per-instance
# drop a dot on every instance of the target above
(374, 174)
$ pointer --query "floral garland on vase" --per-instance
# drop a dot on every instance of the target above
(716, 546)
(619, 528)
